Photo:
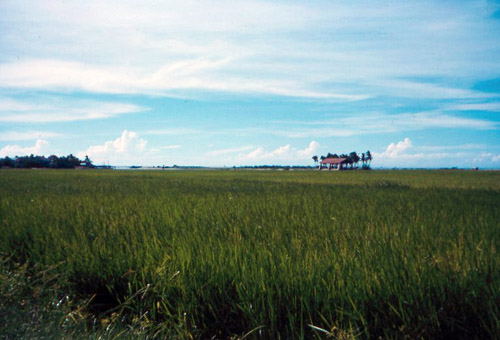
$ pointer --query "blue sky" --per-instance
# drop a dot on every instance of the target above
(223, 83)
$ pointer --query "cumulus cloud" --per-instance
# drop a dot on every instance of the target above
(396, 150)
(40, 148)
(405, 154)
(129, 147)
(283, 154)
(487, 157)
(309, 151)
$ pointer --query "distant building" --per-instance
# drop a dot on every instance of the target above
(84, 165)
(333, 163)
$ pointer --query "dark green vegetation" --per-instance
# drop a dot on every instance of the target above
(54, 162)
(285, 254)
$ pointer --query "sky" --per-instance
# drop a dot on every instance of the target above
(231, 83)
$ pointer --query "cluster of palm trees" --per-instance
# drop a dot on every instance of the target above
(352, 159)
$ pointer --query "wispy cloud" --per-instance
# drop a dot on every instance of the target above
(413, 89)
(173, 132)
(184, 75)
(228, 151)
(493, 106)
(376, 123)
(436, 119)
(307, 50)
(27, 135)
(457, 148)
(170, 147)
(59, 109)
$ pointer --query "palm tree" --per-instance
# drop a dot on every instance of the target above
(369, 157)
(354, 157)
(315, 159)
(322, 158)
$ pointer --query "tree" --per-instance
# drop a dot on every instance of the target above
(369, 157)
(354, 157)
(315, 159)
(367, 160)
(88, 162)
(52, 161)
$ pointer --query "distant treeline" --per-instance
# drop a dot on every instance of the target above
(53, 161)
(274, 167)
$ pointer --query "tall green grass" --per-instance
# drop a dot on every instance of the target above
(298, 254)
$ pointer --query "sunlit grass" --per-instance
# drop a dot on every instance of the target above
(278, 254)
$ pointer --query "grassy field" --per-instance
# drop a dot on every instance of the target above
(261, 254)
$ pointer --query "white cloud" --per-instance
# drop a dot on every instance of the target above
(227, 151)
(413, 89)
(405, 154)
(40, 148)
(281, 155)
(458, 147)
(495, 107)
(123, 150)
(174, 132)
(27, 135)
(58, 109)
(129, 149)
(378, 123)
(292, 49)
(396, 150)
(430, 119)
(309, 151)
(170, 147)
(180, 75)
(487, 157)
(261, 154)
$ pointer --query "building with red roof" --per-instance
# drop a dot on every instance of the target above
(333, 163)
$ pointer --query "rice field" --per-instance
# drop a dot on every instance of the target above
(249, 254)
